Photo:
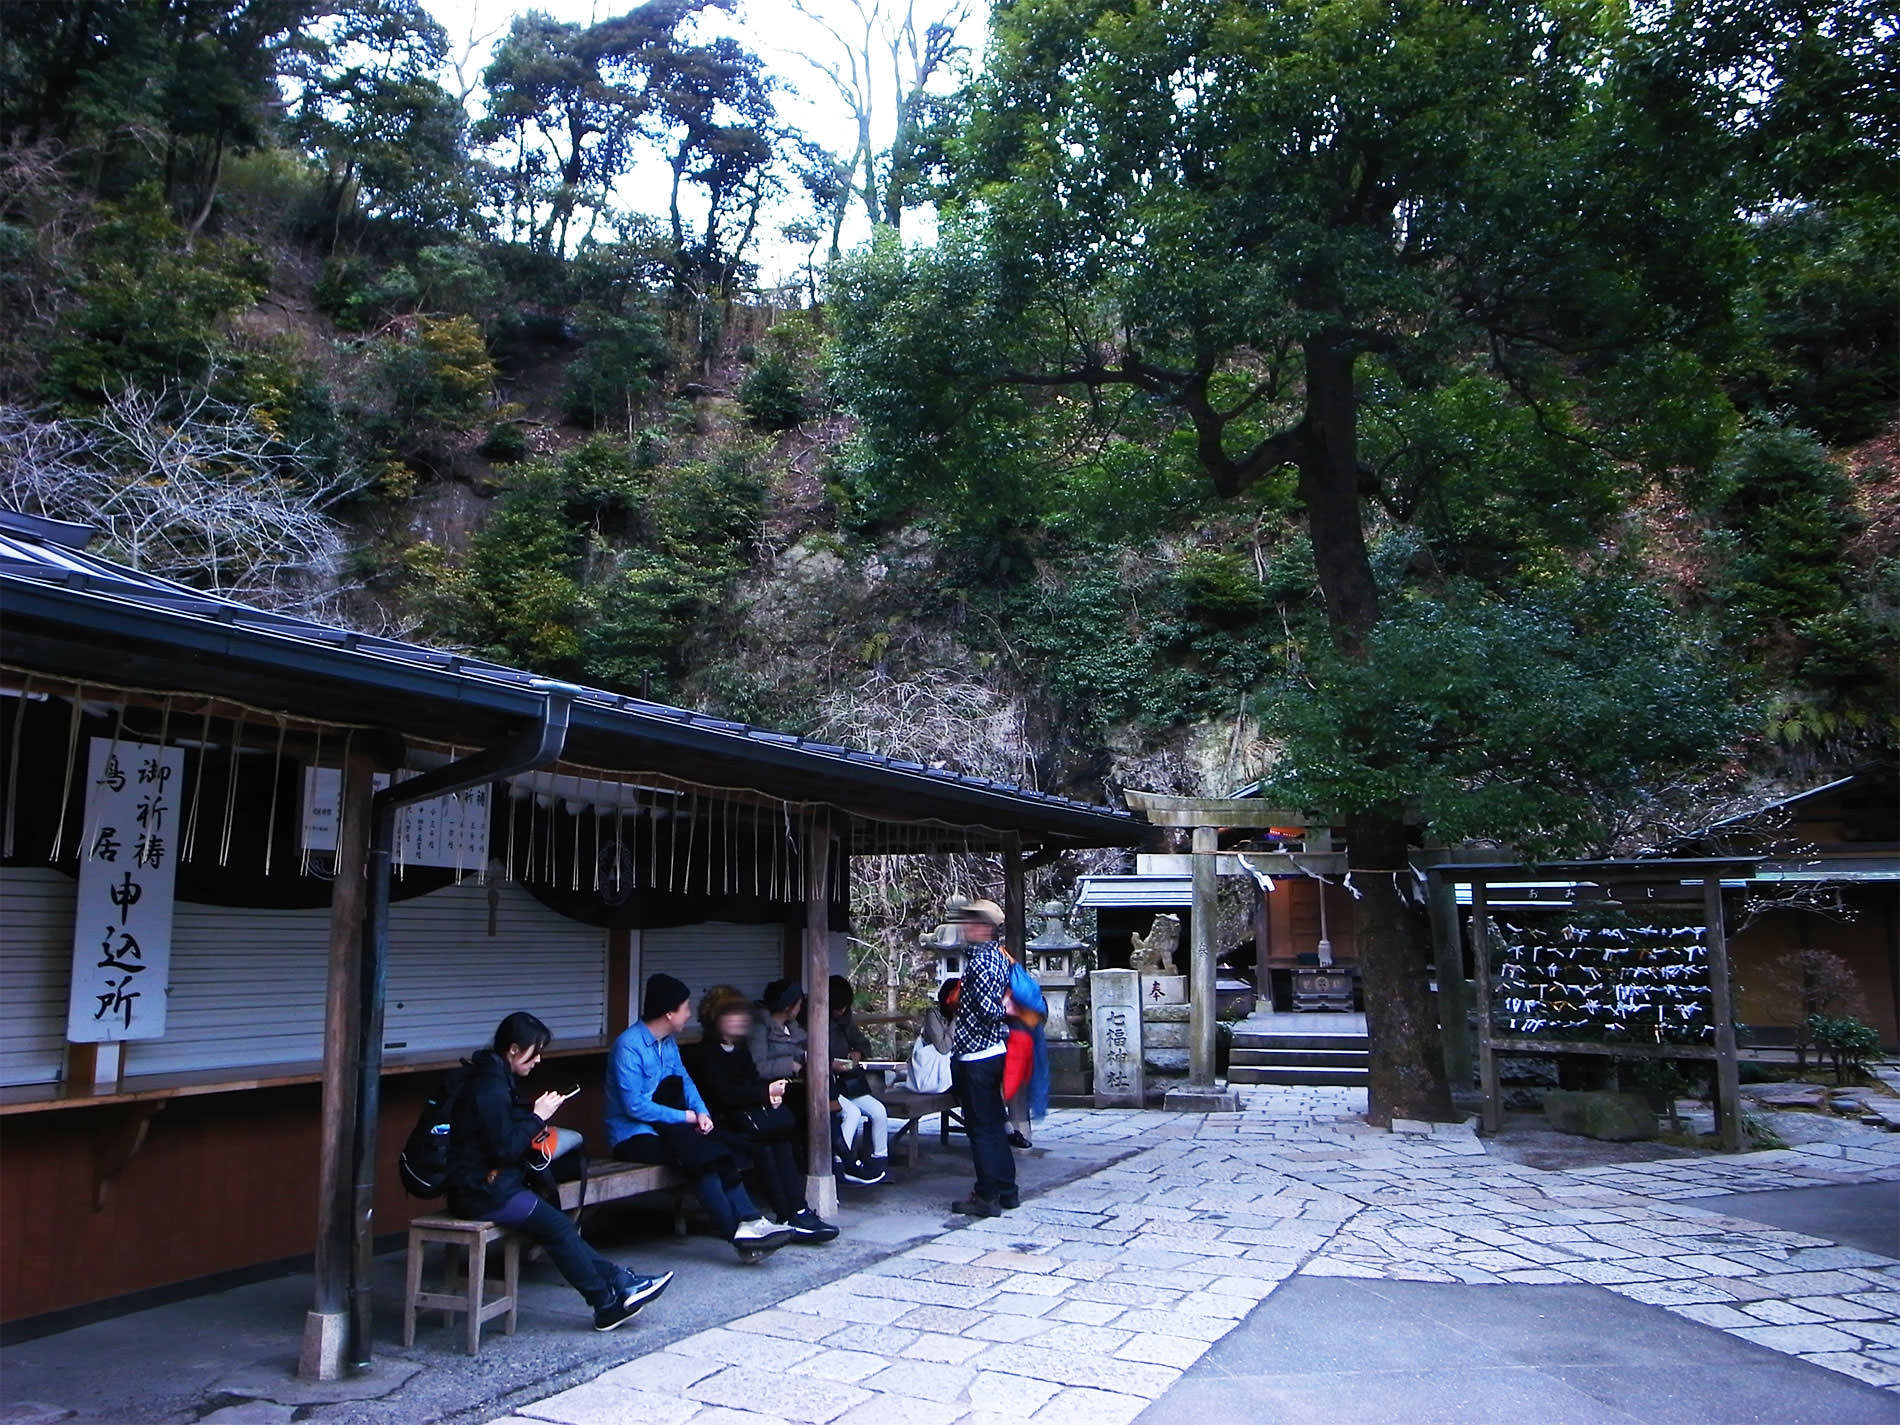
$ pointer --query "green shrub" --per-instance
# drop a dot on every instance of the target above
(356, 296)
(616, 370)
(506, 443)
(773, 394)
(1848, 1042)
(443, 377)
(1220, 589)
(147, 303)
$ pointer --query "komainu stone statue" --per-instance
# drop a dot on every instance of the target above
(1154, 952)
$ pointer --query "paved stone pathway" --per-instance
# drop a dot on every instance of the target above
(1088, 1303)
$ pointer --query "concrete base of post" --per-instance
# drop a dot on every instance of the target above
(326, 1336)
(821, 1195)
(1202, 1100)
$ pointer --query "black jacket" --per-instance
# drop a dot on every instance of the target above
(490, 1130)
(727, 1079)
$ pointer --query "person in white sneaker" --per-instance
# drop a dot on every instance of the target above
(655, 1115)
(751, 1110)
(865, 1125)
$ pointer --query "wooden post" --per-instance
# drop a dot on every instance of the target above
(1201, 1001)
(821, 1188)
(1728, 1084)
(1015, 910)
(1481, 964)
(99, 1068)
(623, 983)
(1454, 1017)
(326, 1327)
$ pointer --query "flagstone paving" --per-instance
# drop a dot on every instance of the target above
(1090, 1301)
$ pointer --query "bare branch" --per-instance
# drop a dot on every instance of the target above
(187, 488)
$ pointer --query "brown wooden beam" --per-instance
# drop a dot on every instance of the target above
(821, 1187)
(326, 1327)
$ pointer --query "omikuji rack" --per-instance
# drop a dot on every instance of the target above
(1662, 886)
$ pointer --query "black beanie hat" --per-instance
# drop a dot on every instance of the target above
(664, 995)
(783, 995)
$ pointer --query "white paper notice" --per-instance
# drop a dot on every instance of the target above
(122, 929)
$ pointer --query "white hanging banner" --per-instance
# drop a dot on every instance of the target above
(450, 832)
(122, 926)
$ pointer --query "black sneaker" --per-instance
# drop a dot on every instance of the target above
(1016, 1140)
(637, 1291)
(861, 1175)
(615, 1313)
(974, 1206)
(810, 1227)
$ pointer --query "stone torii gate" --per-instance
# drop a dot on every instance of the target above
(1205, 818)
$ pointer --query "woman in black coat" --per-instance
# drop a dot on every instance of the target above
(490, 1133)
(751, 1110)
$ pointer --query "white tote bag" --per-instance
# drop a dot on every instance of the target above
(929, 1068)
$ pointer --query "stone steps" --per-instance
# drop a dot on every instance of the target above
(1302, 1058)
(1294, 1059)
(1275, 1043)
(1289, 1074)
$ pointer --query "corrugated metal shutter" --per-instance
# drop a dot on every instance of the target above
(451, 982)
(715, 952)
(36, 957)
(248, 985)
(247, 990)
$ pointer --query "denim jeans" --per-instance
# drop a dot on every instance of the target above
(978, 1084)
(589, 1273)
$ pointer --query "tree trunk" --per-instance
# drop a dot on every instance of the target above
(1408, 1070)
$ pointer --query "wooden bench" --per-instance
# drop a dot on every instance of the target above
(610, 1180)
(907, 1107)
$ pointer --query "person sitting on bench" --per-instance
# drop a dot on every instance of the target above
(751, 1110)
(655, 1115)
(867, 1151)
(490, 1132)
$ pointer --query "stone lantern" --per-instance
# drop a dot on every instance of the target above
(945, 944)
(1051, 958)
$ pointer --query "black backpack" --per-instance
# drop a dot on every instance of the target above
(424, 1163)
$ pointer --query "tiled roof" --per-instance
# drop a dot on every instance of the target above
(44, 555)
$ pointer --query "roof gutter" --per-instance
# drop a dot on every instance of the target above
(534, 747)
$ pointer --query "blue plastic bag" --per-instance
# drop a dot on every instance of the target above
(1027, 994)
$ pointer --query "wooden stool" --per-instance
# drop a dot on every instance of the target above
(474, 1236)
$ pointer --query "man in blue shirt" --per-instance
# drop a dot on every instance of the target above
(979, 1040)
(655, 1115)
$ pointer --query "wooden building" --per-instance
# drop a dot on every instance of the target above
(1829, 880)
(328, 947)
(1288, 922)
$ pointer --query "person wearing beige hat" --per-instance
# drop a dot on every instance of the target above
(979, 1039)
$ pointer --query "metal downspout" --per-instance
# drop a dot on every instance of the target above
(533, 747)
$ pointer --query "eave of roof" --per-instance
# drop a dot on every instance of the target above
(74, 615)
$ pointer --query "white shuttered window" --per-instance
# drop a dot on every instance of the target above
(247, 986)
(716, 952)
(451, 982)
(36, 971)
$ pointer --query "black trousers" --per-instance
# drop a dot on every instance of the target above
(710, 1161)
(978, 1085)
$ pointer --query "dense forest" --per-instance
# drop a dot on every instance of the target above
(1466, 420)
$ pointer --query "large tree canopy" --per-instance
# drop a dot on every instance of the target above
(1471, 268)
